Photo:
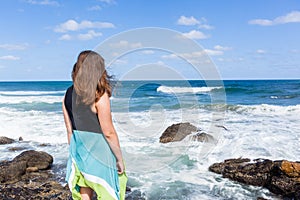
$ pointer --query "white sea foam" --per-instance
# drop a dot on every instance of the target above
(30, 99)
(265, 109)
(30, 93)
(254, 131)
(195, 90)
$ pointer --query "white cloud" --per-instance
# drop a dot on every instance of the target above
(193, 34)
(194, 55)
(221, 48)
(9, 57)
(94, 8)
(292, 17)
(14, 46)
(126, 44)
(89, 35)
(192, 21)
(65, 37)
(260, 51)
(108, 1)
(187, 21)
(72, 25)
(43, 2)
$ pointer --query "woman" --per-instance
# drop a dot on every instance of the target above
(95, 161)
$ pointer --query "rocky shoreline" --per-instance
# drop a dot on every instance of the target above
(281, 177)
(29, 176)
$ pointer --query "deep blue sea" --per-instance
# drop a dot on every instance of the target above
(248, 118)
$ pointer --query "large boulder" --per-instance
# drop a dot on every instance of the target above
(6, 140)
(11, 171)
(39, 159)
(177, 132)
(280, 177)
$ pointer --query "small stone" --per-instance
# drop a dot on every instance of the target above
(16, 148)
(20, 139)
(31, 169)
(6, 140)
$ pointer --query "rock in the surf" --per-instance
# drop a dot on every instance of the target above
(177, 132)
(203, 137)
(6, 140)
(280, 177)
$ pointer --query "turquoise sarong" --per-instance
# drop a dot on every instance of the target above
(92, 164)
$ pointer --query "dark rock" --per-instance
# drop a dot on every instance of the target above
(177, 132)
(261, 198)
(280, 177)
(39, 159)
(20, 139)
(6, 140)
(35, 185)
(44, 145)
(203, 137)
(11, 171)
(16, 148)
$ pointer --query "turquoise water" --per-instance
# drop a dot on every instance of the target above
(262, 118)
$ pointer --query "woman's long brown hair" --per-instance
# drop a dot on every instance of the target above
(90, 78)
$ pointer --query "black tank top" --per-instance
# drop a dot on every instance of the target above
(81, 115)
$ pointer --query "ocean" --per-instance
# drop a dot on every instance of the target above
(247, 118)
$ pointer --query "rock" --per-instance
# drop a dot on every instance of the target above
(177, 132)
(203, 137)
(20, 139)
(11, 171)
(292, 169)
(31, 169)
(39, 159)
(16, 148)
(280, 177)
(6, 140)
(35, 185)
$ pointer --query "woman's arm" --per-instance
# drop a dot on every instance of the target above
(67, 121)
(105, 119)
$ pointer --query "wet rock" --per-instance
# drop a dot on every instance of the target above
(39, 159)
(203, 137)
(35, 185)
(280, 177)
(6, 140)
(177, 132)
(11, 171)
(16, 148)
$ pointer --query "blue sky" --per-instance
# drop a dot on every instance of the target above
(251, 39)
